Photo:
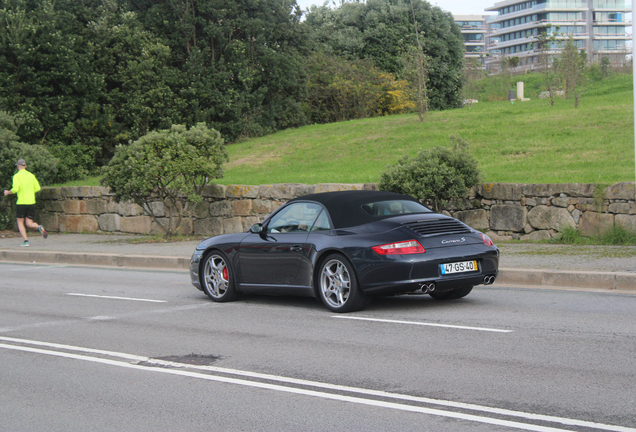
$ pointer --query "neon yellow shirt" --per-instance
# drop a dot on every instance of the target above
(25, 185)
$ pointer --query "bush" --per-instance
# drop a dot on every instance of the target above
(166, 166)
(39, 161)
(434, 176)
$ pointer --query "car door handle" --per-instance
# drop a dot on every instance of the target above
(296, 248)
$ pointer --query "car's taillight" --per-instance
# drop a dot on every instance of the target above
(486, 240)
(401, 248)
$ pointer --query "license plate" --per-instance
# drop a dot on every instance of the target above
(458, 267)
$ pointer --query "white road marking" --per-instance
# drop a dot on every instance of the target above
(287, 380)
(117, 298)
(424, 324)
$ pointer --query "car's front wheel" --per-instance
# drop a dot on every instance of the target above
(338, 287)
(453, 294)
(217, 279)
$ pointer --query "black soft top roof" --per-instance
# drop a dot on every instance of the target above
(345, 207)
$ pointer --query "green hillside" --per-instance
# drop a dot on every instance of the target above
(529, 142)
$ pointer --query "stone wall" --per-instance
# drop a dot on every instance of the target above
(504, 210)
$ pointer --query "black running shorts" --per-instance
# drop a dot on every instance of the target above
(25, 211)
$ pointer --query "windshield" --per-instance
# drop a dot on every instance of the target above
(394, 207)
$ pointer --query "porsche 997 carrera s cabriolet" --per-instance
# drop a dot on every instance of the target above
(345, 248)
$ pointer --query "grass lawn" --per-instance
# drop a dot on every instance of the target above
(521, 142)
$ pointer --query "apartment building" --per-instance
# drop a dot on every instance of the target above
(597, 26)
(474, 29)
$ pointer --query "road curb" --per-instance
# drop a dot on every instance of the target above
(623, 281)
(97, 259)
(565, 278)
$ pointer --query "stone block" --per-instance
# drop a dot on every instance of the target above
(136, 224)
(208, 226)
(501, 191)
(570, 189)
(54, 206)
(72, 206)
(626, 221)
(285, 191)
(242, 207)
(508, 218)
(594, 224)
(241, 191)
(214, 191)
(624, 190)
(50, 221)
(84, 191)
(560, 202)
(302, 189)
(477, 219)
(156, 208)
(619, 208)
(201, 210)
(335, 187)
(373, 186)
(535, 190)
(125, 208)
(537, 236)
(233, 225)
(109, 222)
(262, 207)
(221, 209)
(48, 193)
(78, 223)
(96, 206)
(546, 218)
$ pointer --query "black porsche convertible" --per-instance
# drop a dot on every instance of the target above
(346, 247)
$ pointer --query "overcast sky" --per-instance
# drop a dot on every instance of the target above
(456, 7)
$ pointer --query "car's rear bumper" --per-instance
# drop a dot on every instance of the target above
(409, 274)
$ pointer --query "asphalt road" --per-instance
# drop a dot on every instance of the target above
(121, 350)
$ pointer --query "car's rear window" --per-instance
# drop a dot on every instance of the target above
(394, 207)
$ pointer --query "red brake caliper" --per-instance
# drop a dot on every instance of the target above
(226, 274)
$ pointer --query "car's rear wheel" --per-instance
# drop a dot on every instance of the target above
(451, 295)
(217, 279)
(338, 287)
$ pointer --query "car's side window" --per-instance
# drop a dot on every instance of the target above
(297, 217)
(322, 223)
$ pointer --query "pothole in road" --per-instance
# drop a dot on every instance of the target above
(192, 359)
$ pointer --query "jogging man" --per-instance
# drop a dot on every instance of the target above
(25, 185)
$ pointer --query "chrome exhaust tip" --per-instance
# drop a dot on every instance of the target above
(431, 287)
(489, 280)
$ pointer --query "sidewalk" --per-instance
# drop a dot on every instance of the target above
(535, 265)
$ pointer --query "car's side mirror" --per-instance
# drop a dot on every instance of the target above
(256, 228)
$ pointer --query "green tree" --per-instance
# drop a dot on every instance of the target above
(570, 66)
(435, 176)
(383, 30)
(39, 161)
(545, 43)
(167, 166)
(339, 90)
(240, 62)
(473, 73)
